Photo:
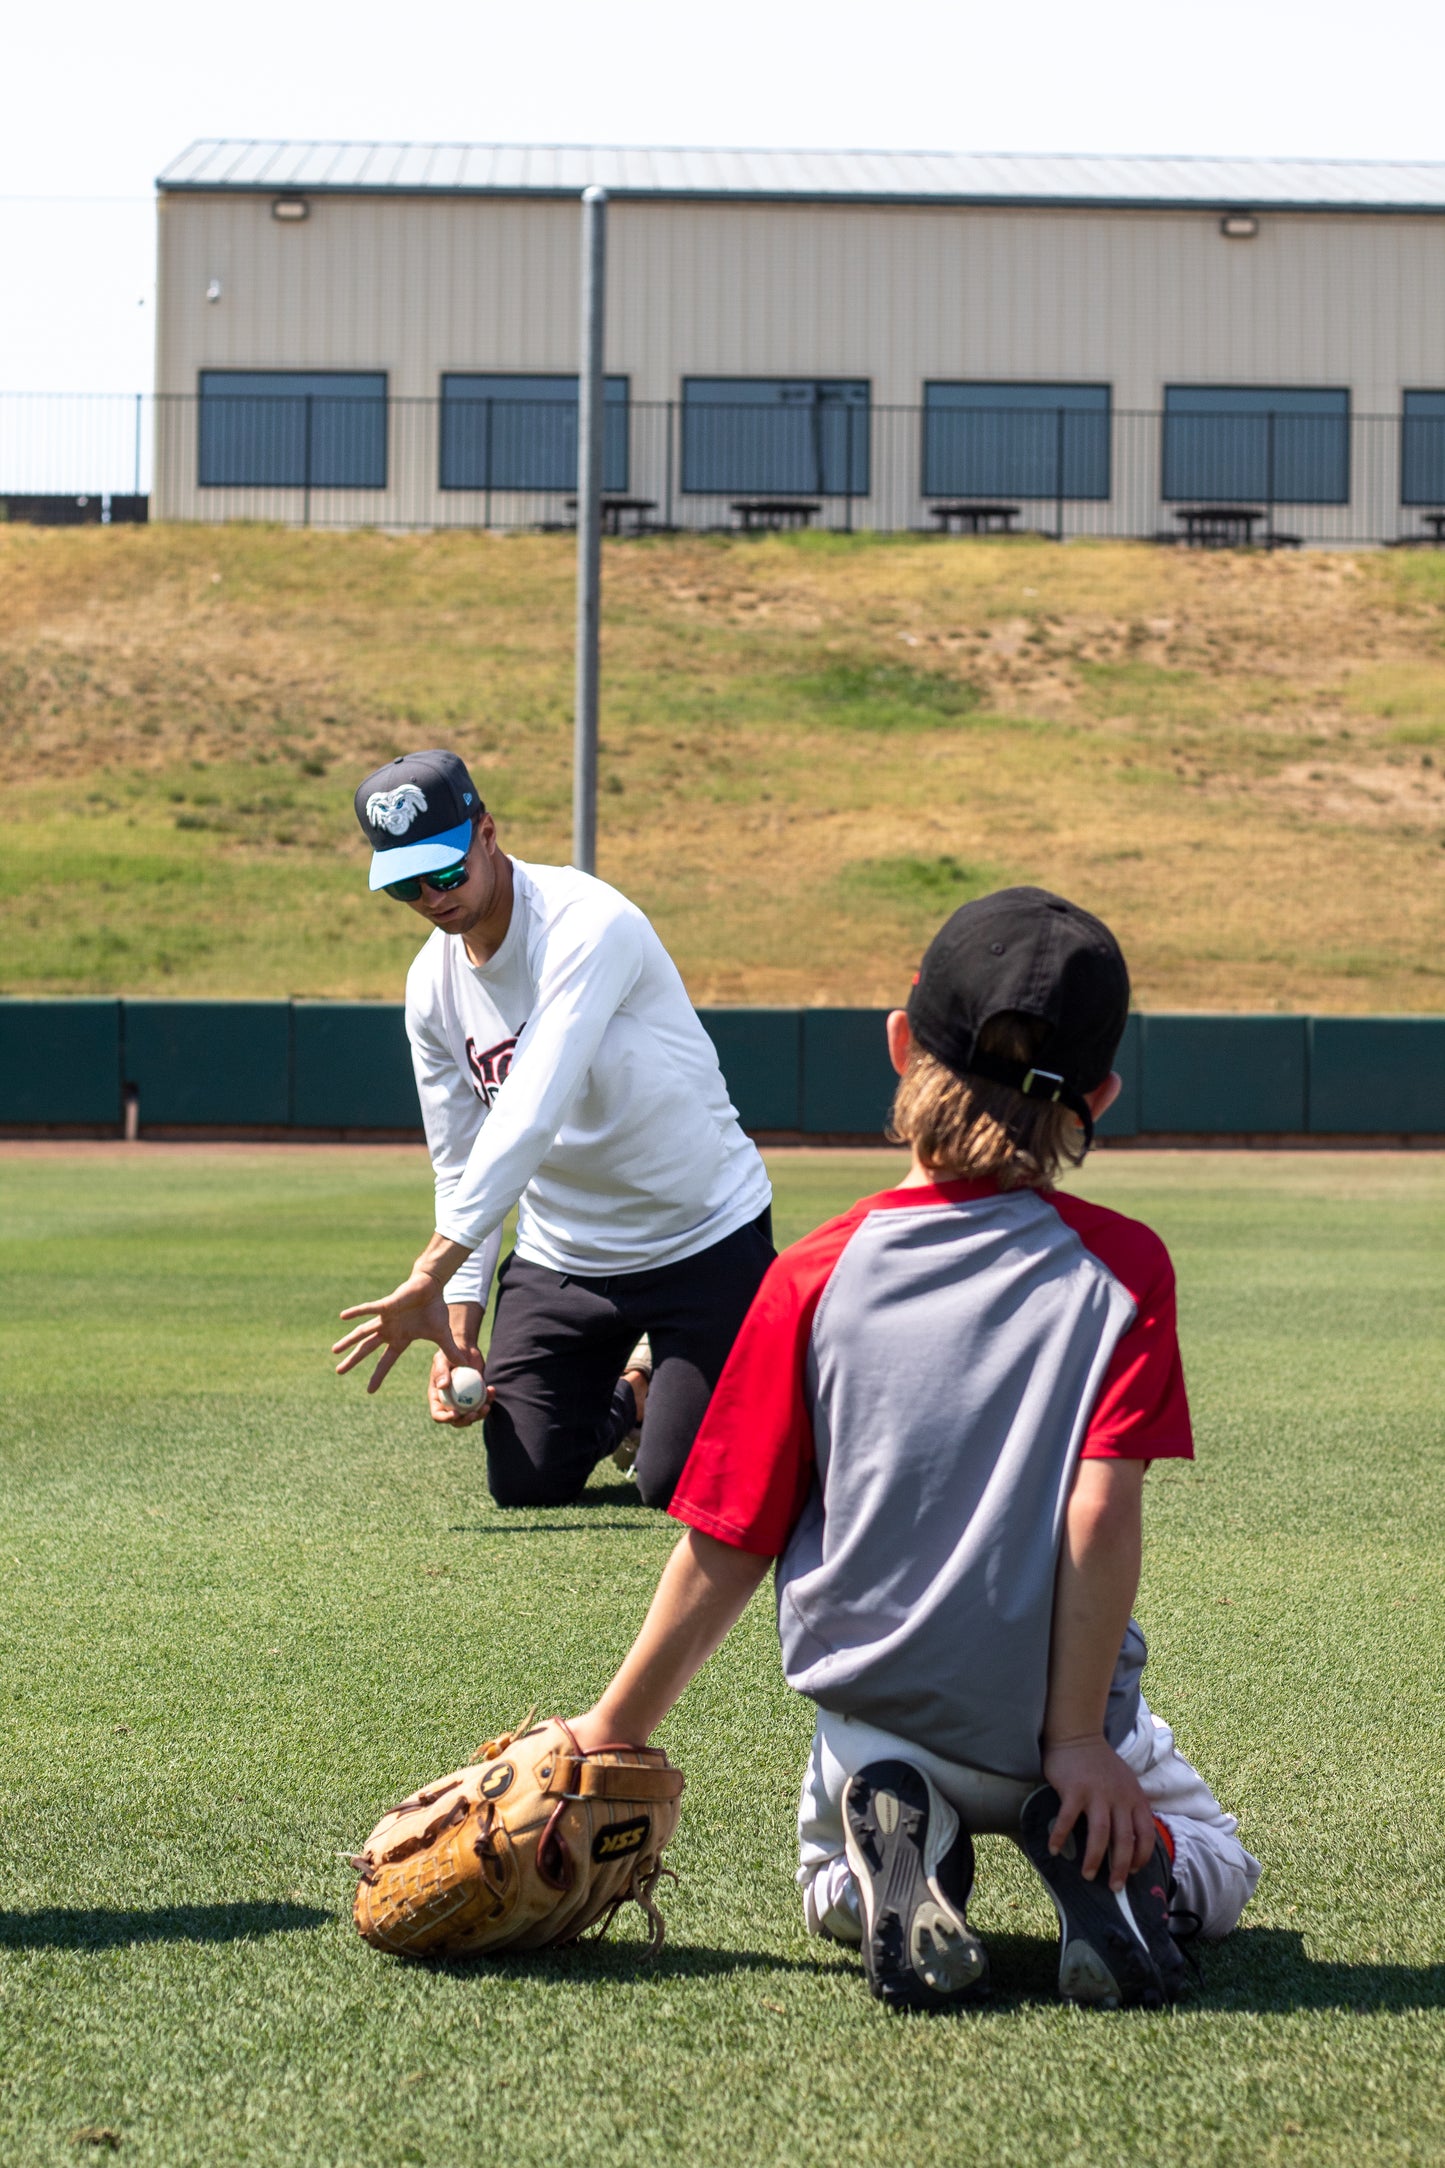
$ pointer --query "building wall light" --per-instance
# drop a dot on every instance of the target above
(290, 209)
(1239, 226)
(213, 291)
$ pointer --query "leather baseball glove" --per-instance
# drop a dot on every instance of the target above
(527, 1847)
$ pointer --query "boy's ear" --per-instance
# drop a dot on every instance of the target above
(900, 1039)
(1102, 1097)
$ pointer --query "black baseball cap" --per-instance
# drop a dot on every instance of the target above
(417, 813)
(1025, 951)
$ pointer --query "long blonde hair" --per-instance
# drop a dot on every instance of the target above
(969, 1129)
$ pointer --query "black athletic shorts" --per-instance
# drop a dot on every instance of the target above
(557, 1351)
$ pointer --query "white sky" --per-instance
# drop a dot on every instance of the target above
(101, 97)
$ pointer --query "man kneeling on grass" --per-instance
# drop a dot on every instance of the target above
(561, 1069)
(937, 1418)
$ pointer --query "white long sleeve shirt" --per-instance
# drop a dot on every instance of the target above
(569, 1076)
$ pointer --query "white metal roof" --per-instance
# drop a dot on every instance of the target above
(860, 176)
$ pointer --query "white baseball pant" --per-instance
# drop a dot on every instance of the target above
(1214, 1875)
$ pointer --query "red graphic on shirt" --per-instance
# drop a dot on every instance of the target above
(491, 1069)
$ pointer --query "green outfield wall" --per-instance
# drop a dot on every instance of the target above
(343, 1067)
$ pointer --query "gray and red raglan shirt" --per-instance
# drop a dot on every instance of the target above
(899, 1424)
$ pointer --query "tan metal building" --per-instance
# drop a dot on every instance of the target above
(381, 333)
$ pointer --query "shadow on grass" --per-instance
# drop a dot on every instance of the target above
(591, 1962)
(1258, 1969)
(591, 1502)
(535, 1528)
(57, 1927)
(1266, 1968)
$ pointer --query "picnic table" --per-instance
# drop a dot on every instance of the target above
(1219, 526)
(773, 515)
(1435, 521)
(616, 511)
(974, 518)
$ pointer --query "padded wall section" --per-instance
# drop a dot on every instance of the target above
(1224, 1075)
(210, 1063)
(60, 1062)
(346, 1065)
(760, 1052)
(351, 1066)
(1122, 1119)
(847, 1085)
(1373, 1075)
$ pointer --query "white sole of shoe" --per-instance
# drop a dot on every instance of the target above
(918, 1948)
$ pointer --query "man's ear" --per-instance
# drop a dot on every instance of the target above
(900, 1039)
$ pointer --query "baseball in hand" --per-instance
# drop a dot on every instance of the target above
(465, 1390)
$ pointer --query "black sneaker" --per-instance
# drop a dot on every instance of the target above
(624, 1453)
(913, 1862)
(1115, 1947)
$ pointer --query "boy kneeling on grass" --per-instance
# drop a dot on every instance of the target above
(937, 1419)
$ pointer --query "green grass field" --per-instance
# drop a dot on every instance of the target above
(244, 1609)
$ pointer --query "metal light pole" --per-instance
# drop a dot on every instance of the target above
(589, 528)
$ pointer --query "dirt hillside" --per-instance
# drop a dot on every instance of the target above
(813, 747)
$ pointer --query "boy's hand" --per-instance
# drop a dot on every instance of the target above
(1094, 1783)
(593, 1731)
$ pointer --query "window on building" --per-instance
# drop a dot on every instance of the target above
(1228, 443)
(775, 436)
(520, 432)
(1015, 440)
(292, 429)
(1422, 448)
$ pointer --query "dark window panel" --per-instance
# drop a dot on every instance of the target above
(520, 432)
(776, 436)
(1422, 448)
(1228, 443)
(292, 429)
(1016, 440)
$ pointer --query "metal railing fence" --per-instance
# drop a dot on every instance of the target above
(471, 460)
(76, 443)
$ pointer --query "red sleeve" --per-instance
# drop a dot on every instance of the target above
(1142, 1412)
(747, 1477)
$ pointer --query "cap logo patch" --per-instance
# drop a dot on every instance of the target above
(395, 810)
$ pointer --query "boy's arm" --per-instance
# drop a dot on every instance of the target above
(1098, 1577)
(747, 1477)
(704, 1591)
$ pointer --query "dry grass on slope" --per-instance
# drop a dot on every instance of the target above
(813, 747)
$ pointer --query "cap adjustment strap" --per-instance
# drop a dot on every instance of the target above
(1043, 1076)
(1033, 1083)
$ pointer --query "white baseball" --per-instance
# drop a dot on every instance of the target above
(466, 1388)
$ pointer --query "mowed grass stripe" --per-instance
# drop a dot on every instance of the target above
(244, 1607)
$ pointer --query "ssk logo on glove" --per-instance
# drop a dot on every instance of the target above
(395, 810)
(621, 1838)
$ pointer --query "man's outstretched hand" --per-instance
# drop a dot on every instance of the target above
(413, 1311)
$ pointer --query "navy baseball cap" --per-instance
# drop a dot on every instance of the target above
(1025, 951)
(417, 814)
